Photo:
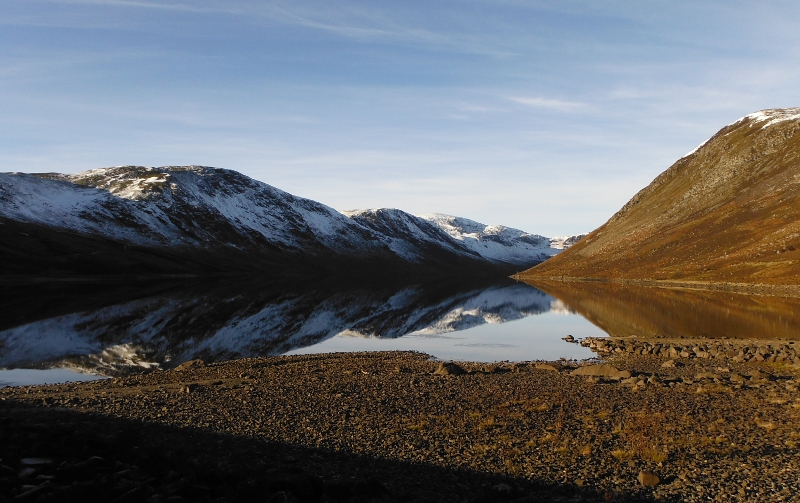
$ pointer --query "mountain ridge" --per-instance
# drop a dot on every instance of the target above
(197, 219)
(725, 212)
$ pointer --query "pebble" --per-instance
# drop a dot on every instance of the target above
(375, 433)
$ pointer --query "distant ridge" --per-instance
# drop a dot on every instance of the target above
(728, 211)
(135, 220)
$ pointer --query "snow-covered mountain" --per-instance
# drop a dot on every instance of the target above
(177, 219)
(244, 320)
(500, 243)
(179, 206)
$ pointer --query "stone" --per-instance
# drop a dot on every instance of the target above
(706, 375)
(648, 479)
(35, 461)
(551, 366)
(191, 388)
(303, 485)
(191, 364)
(568, 338)
(758, 375)
(669, 364)
(605, 371)
(504, 489)
(449, 368)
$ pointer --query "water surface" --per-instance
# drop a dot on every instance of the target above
(122, 329)
(113, 330)
(625, 310)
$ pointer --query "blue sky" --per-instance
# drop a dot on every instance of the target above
(545, 116)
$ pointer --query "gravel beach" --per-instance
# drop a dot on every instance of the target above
(402, 427)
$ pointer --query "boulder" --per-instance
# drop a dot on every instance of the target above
(191, 364)
(551, 366)
(605, 371)
(648, 479)
(706, 375)
(449, 368)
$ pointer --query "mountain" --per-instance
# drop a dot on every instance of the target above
(500, 243)
(409, 235)
(728, 211)
(125, 330)
(139, 220)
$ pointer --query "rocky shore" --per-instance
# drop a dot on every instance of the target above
(643, 425)
(724, 350)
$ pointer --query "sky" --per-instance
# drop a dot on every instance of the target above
(543, 116)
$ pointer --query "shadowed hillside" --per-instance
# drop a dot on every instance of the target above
(727, 212)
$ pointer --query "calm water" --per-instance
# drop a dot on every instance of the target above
(113, 330)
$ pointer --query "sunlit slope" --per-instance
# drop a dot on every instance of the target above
(727, 212)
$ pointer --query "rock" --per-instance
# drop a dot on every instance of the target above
(449, 368)
(551, 366)
(303, 485)
(631, 381)
(669, 364)
(706, 375)
(568, 338)
(191, 364)
(35, 461)
(27, 472)
(648, 479)
(606, 371)
(502, 489)
(191, 388)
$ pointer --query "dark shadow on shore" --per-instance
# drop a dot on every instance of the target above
(72, 456)
(625, 310)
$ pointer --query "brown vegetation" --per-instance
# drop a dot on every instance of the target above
(729, 212)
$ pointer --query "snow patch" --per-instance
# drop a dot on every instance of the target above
(773, 116)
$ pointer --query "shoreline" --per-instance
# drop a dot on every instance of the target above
(389, 427)
(762, 289)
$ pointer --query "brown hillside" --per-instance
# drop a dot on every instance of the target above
(730, 211)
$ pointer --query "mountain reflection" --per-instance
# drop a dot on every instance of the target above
(624, 310)
(120, 329)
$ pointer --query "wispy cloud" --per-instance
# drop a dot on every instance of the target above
(551, 104)
(356, 22)
(175, 6)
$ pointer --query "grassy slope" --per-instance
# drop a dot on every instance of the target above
(729, 212)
